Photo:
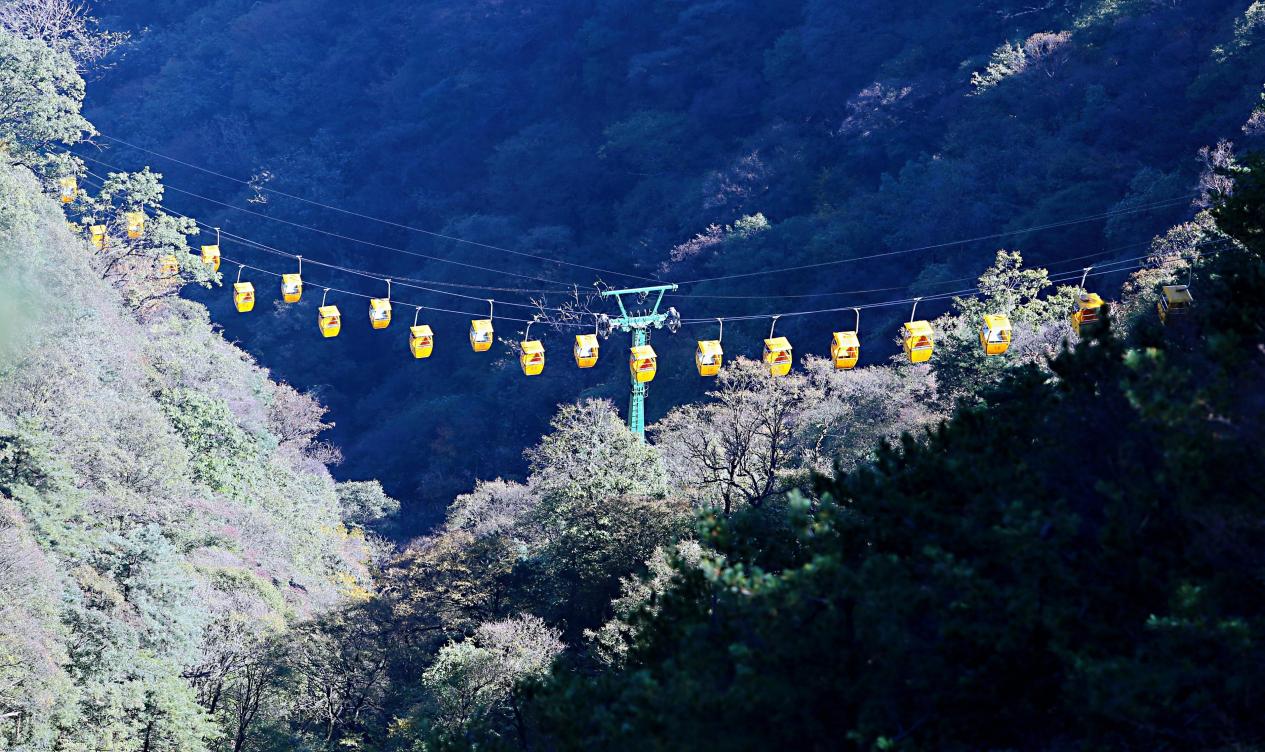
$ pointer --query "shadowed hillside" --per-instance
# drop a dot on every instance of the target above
(629, 136)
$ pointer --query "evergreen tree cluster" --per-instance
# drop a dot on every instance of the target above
(1068, 564)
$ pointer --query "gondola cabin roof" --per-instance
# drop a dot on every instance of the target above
(847, 339)
(709, 348)
(918, 329)
(643, 352)
(1177, 295)
(996, 322)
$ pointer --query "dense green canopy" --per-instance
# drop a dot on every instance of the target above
(1071, 564)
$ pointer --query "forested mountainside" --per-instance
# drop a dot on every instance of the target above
(1063, 566)
(165, 506)
(1064, 562)
(659, 138)
(1057, 548)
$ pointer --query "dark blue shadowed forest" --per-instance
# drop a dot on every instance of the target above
(663, 139)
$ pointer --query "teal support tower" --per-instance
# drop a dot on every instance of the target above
(638, 322)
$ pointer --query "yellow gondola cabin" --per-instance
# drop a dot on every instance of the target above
(68, 188)
(291, 287)
(135, 224)
(421, 341)
(211, 256)
(330, 321)
(380, 313)
(709, 356)
(481, 334)
(97, 235)
(244, 296)
(1088, 315)
(643, 363)
(845, 350)
(586, 350)
(994, 335)
(532, 357)
(917, 341)
(168, 266)
(777, 355)
(1175, 300)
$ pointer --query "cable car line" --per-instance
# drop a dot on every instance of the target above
(401, 302)
(745, 317)
(371, 243)
(398, 282)
(968, 292)
(938, 283)
(400, 279)
(256, 245)
(1053, 225)
(277, 251)
(1144, 207)
(1090, 218)
(873, 305)
(900, 287)
(370, 218)
(781, 353)
(343, 237)
(940, 296)
(247, 242)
